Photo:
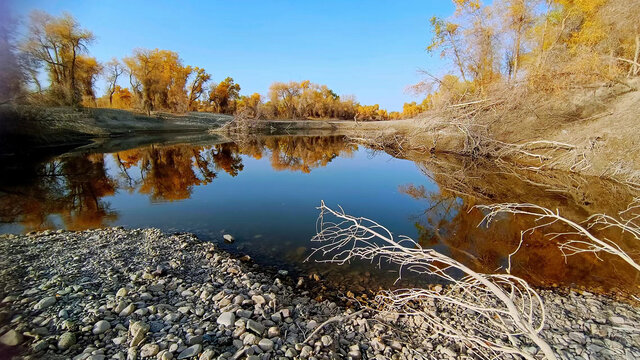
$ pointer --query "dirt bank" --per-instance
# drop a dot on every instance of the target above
(590, 131)
(25, 127)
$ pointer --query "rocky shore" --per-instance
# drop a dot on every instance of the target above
(135, 294)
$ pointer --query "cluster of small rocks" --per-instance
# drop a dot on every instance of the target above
(135, 294)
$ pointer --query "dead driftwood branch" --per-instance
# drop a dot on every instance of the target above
(495, 314)
(469, 103)
(337, 318)
(580, 236)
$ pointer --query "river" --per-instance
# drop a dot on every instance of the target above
(265, 190)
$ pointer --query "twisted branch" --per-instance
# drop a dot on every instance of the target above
(584, 240)
(494, 313)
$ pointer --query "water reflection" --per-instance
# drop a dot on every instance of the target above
(452, 223)
(72, 187)
(298, 153)
(211, 188)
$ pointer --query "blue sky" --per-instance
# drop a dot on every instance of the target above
(370, 49)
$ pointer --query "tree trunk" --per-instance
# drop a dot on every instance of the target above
(516, 52)
(541, 51)
(458, 60)
(72, 75)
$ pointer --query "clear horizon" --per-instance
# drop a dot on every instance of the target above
(372, 50)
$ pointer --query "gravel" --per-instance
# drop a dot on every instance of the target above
(131, 294)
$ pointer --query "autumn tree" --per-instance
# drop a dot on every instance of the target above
(284, 96)
(484, 65)
(197, 86)
(519, 16)
(447, 39)
(412, 109)
(159, 78)
(250, 105)
(113, 70)
(309, 100)
(57, 43)
(122, 98)
(223, 96)
(88, 70)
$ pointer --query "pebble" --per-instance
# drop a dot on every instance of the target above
(191, 351)
(249, 339)
(255, 326)
(307, 351)
(138, 330)
(265, 344)
(202, 304)
(227, 319)
(192, 340)
(273, 331)
(38, 346)
(63, 314)
(66, 340)
(11, 338)
(149, 350)
(258, 299)
(617, 320)
(122, 293)
(207, 354)
(45, 303)
(132, 353)
(101, 327)
(127, 310)
(164, 355)
(578, 337)
(326, 340)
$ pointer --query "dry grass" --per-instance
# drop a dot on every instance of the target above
(589, 130)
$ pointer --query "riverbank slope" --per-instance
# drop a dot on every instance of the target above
(23, 128)
(592, 131)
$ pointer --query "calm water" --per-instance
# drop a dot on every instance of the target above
(265, 192)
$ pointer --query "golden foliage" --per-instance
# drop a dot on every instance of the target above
(57, 43)
(223, 96)
(160, 79)
(548, 46)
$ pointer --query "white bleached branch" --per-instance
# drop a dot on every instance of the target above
(580, 236)
(494, 313)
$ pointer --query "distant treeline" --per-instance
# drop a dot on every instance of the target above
(155, 80)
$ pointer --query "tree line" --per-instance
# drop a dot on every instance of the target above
(547, 45)
(156, 80)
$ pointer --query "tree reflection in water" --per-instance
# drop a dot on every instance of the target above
(73, 187)
(451, 223)
(70, 187)
(73, 192)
